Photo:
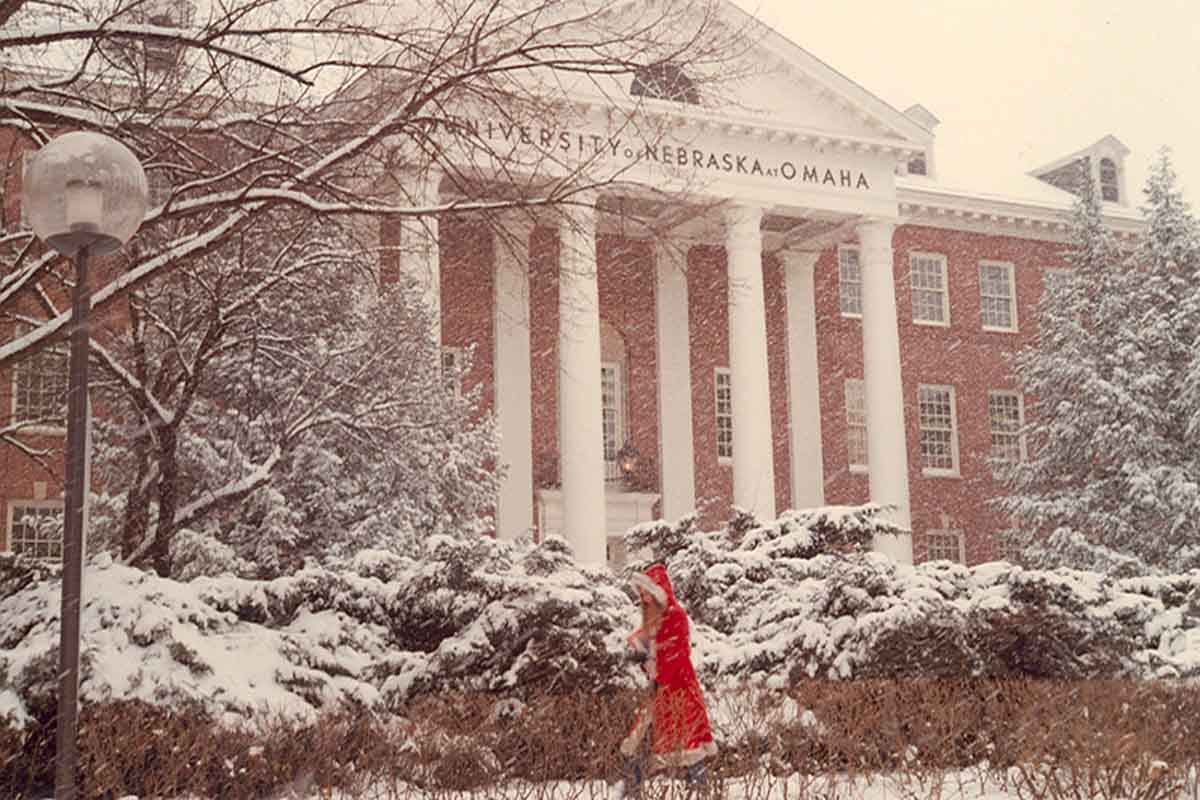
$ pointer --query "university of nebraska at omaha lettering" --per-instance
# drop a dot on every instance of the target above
(592, 146)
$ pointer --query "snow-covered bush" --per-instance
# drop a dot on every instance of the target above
(771, 605)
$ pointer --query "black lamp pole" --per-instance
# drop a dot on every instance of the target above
(86, 196)
(67, 758)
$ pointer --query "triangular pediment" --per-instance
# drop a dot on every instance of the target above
(780, 84)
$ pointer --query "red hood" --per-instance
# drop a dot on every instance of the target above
(655, 581)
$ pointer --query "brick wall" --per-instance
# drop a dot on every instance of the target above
(961, 354)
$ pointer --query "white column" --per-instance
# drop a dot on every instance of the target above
(676, 465)
(804, 394)
(514, 412)
(419, 246)
(887, 450)
(580, 437)
(753, 456)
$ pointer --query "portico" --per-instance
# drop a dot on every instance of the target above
(695, 383)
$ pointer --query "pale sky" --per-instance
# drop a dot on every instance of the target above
(1019, 83)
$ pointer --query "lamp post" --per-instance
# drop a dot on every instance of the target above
(86, 195)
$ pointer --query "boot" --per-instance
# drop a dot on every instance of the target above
(697, 781)
(630, 785)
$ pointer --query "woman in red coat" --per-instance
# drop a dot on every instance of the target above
(676, 719)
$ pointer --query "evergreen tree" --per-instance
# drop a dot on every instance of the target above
(1108, 484)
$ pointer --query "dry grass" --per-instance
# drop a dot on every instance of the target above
(1039, 739)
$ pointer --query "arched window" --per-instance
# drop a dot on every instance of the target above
(665, 81)
(1109, 188)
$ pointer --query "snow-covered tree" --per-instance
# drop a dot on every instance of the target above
(1111, 479)
(279, 140)
(275, 408)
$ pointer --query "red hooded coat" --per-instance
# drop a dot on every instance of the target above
(681, 734)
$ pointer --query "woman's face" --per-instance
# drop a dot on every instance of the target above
(648, 602)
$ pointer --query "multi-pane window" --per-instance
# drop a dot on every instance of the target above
(930, 299)
(1109, 186)
(849, 281)
(1056, 280)
(939, 433)
(612, 425)
(997, 296)
(1005, 420)
(945, 546)
(856, 423)
(35, 529)
(40, 384)
(1008, 548)
(724, 387)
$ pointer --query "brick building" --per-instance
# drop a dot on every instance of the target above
(820, 321)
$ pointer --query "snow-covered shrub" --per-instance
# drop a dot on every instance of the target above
(520, 620)
(798, 598)
(18, 572)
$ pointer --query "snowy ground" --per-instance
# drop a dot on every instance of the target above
(970, 784)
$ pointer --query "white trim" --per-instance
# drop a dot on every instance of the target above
(941, 261)
(682, 758)
(612, 467)
(718, 373)
(921, 202)
(57, 503)
(642, 581)
(940, 472)
(1012, 298)
(849, 248)
(856, 466)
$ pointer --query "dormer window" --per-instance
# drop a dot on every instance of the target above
(1100, 166)
(1109, 186)
(665, 81)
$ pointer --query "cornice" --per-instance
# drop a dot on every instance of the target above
(944, 208)
(744, 125)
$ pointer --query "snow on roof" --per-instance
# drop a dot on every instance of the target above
(986, 180)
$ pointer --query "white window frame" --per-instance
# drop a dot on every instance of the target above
(844, 285)
(56, 504)
(940, 260)
(955, 534)
(720, 373)
(612, 465)
(1019, 434)
(940, 472)
(1114, 184)
(1012, 297)
(855, 390)
(19, 414)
